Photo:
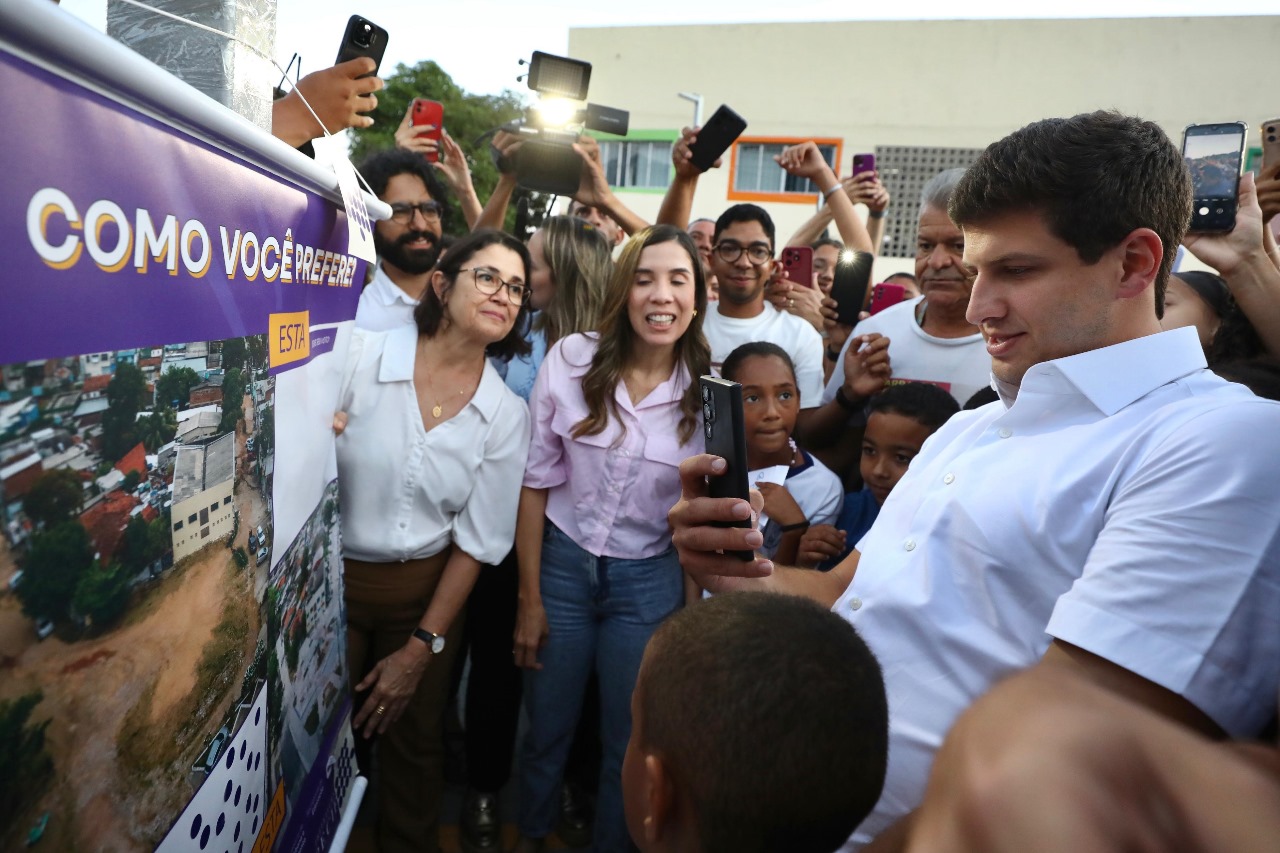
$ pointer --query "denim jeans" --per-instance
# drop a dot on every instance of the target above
(601, 612)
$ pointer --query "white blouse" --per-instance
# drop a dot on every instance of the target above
(407, 493)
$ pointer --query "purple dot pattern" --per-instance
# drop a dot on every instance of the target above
(228, 808)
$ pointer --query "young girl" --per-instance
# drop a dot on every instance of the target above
(812, 494)
(614, 414)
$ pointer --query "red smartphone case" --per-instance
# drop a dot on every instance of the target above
(427, 112)
(797, 262)
(885, 296)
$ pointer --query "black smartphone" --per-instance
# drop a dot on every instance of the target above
(726, 436)
(849, 286)
(362, 38)
(1213, 153)
(716, 136)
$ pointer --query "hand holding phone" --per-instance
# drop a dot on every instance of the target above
(849, 288)
(428, 114)
(797, 263)
(715, 137)
(863, 163)
(1213, 154)
(885, 295)
(725, 433)
(362, 38)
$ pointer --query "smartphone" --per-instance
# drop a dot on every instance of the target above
(1270, 142)
(849, 286)
(716, 136)
(885, 295)
(797, 263)
(427, 112)
(362, 38)
(723, 427)
(863, 163)
(1213, 153)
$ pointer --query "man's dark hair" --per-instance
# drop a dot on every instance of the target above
(1094, 178)
(922, 402)
(745, 213)
(732, 366)
(381, 166)
(770, 712)
(908, 276)
(430, 313)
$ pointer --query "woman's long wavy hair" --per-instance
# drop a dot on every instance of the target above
(580, 262)
(617, 338)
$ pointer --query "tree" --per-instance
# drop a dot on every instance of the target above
(103, 594)
(126, 396)
(55, 563)
(232, 400)
(467, 117)
(158, 428)
(174, 387)
(131, 480)
(27, 766)
(57, 496)
(233, 354)
(265, 439)
(134, 552)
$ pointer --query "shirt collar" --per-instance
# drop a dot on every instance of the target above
(388, 292)
(1113, 377)
(397, 366)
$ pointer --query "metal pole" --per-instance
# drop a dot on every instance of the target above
(696, 99)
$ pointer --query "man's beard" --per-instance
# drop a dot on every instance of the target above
(413, 261)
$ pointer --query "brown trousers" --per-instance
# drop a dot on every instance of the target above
(385, 602)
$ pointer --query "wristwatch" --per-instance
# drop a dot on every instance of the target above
(435, 642)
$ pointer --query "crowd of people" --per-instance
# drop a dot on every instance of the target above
(1024, 520)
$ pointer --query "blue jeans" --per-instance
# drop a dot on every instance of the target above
(601, 612)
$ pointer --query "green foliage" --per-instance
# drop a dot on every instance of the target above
(232, 400)
(131, 480)
(159, 536)
(174, 387)
(158, 428)
(467, 118)
(234, 352)
(126, 396)
(135, 545)
(103, 594)
(57, 559)
(57, 496)
(27, 766)
(265, 438)
(240, 558)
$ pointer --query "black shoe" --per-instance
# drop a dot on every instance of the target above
(480, 830)
(575, 817)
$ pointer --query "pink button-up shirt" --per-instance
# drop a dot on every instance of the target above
(610, 495)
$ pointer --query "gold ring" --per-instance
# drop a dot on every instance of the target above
(791, 303)
(382, 709)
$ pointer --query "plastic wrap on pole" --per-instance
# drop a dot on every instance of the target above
(230, 73)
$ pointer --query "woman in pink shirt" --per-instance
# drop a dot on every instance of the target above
(614, 414)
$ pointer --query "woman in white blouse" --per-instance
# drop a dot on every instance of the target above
(429, 463)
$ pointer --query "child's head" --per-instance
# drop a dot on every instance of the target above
(770, 400)
(759, 722)
(899, 419)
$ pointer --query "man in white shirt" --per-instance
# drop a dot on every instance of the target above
(1112, 516)
(408, 244)
(926, 339)
(741, 261)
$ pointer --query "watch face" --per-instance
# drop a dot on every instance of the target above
(437, 645)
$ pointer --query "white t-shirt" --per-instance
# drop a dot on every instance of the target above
(794, 335)
(407, 493)
(383, 305)
(1124, 503)
(959, 366)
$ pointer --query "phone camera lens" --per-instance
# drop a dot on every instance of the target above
(706, 393)
(708, 413)
(363, 36)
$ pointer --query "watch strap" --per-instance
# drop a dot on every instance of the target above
(428, 638)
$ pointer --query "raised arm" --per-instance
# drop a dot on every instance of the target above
(678, 201)
(494, 214)
(336, 94)
(594, 189)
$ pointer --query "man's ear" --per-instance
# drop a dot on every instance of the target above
(1140, 256)
(659, 801)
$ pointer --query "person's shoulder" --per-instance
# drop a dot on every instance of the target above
(894, 317)
(1213, 410)
(574, 351)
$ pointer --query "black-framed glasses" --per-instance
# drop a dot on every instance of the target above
(757, 253)
(488, 283)
(402, 212)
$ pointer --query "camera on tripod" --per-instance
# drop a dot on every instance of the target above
(546, 161)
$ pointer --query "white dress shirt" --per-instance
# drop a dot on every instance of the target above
(407, 493)
(1126, 503)
(383, 305)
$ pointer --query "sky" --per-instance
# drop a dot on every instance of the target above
(479, 42)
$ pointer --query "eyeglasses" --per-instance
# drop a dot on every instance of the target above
(730, 251)
(403, 213)
(488, 283)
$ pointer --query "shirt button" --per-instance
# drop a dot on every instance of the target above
(855, 604)
(949, 479)
(910, 544)
(1005, 432)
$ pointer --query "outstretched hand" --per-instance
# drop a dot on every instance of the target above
(700, 544)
